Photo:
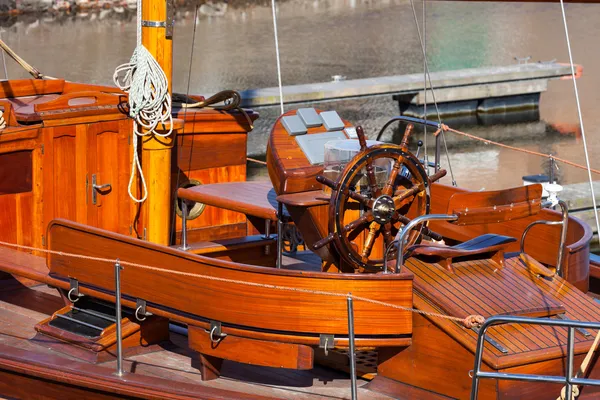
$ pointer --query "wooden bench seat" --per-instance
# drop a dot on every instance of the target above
(256, 199)
(488, 243)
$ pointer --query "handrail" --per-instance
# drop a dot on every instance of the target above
(407, 119)
(401, 237)
(567, 379)
(563, 234)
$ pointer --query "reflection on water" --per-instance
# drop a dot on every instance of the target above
(356, 39)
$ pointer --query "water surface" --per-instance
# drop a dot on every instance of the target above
(357, 39)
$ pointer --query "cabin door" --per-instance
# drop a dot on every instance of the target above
(109, 205)
(86, 171)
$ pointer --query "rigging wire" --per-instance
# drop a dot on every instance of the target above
(587, 158)
(437, 110)
(4, 58)
(185, 109)
(424, 19)
(277, 56)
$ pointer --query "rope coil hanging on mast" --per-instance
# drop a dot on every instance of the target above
(149, 100)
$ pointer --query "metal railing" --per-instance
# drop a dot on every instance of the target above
(568, 379)
(351, 339)
(563, 232)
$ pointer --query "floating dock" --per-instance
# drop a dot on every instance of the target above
(450, 86)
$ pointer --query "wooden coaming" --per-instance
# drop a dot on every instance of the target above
(542, 242)
(211, 148)
(287, 312)
(495, 206)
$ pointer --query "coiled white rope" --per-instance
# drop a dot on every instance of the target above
(149, 100)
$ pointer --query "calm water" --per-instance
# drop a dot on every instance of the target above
(357, 39)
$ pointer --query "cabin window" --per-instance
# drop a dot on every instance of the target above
(15, 172)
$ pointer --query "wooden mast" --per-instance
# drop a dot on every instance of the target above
(156, 150)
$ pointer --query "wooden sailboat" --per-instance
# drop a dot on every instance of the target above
(258, 324)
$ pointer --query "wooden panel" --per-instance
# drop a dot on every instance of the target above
(433, 362)
(251, 351)
(12, 134)
(24, 214)
(215, 232)
(536, 390)
(112, 166)
(495, 206)
(268, 309)
(16, 170)
(213, 216)
(65, 174)
(207, 120)
(8, 216)
(29, 87)
(210, 150)
(253, 250)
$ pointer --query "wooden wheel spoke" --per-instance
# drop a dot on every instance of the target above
(400, 195)
(375, 191)
(387, 234)
(388, 189)
(370, 241)
(366, 217)
(364, 200)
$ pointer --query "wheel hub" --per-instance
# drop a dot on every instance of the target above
(383, 209)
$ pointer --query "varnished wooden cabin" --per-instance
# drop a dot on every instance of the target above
(220, 320)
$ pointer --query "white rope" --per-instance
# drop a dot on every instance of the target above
(149, 99)
(585, 149)
(277, 56)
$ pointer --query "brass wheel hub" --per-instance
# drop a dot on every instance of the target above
(383, 209)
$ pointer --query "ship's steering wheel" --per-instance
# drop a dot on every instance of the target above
(383, 210)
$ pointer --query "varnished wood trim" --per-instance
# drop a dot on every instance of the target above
(252, 351)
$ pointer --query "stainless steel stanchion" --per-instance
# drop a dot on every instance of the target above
(118, 269)
(352, 350)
